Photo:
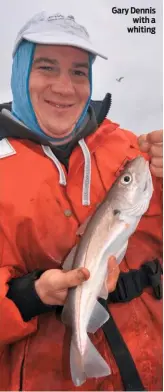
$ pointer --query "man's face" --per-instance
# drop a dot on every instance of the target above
(59, 87)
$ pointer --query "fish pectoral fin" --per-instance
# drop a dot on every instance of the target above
(104, 290)
(121, 253)
(119, 257)
(90, 364)
(68, 262)
(98, 318)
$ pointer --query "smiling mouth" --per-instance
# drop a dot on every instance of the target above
(59, 105)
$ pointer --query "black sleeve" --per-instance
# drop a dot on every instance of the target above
(22, 292)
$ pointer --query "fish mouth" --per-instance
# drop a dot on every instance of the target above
(147, 184)
(143, 170)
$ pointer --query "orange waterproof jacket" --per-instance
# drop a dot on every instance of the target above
(39, 219)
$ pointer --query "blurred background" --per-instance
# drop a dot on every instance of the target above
(137, 98)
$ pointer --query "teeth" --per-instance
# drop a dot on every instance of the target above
(61, 106)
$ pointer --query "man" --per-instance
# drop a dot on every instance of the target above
(57, 165)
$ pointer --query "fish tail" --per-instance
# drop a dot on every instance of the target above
(90, 365)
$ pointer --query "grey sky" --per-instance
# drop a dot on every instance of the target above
(137, 99)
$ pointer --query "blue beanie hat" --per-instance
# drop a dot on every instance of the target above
(22, 107)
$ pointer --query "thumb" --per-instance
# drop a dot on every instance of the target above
(74, 277)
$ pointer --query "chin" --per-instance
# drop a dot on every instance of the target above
(58, 133)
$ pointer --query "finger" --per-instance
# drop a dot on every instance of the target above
(155, 136)
(156, 161)
(74, 278)
(113, 274)
(143, 143)
(112, 264)
(158, 172)
(142, 139)
(112, 279)
(144, 147)
(156, 151)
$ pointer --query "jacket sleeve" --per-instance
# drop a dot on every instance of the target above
(12, 325)
(22, 292)
(12, 266)
(19, 302)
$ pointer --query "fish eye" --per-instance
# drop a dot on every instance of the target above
(126, 179)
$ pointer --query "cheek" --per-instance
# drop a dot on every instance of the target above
(32, 88)
(31, 82)
(36, 85)
(85, 93)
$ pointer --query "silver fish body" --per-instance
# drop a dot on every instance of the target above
(106, 235)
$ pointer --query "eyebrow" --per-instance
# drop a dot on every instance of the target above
(45, 60)
(55, 62)
(80, 65)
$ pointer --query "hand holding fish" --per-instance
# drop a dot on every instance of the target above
(152, 143)
(52, 287)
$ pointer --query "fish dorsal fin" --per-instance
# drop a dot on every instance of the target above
(82, 227)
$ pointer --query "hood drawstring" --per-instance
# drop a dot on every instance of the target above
(62, 178)
(87, 170)
(87, 173)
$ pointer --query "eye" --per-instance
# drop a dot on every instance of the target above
(46, 68)
(79, 73)
(126, 179)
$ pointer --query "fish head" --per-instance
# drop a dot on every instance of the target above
(132, 191)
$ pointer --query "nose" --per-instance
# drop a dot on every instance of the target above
(62, 84)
